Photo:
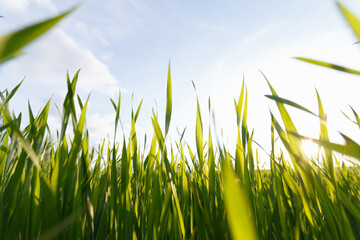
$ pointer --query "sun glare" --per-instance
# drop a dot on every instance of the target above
(310, 148)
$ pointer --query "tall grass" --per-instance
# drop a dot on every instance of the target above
(67, 189)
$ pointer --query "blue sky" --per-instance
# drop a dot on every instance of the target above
(127, 45)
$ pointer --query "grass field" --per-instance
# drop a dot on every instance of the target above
(61, 187)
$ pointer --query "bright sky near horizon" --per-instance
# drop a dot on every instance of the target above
(127, 45)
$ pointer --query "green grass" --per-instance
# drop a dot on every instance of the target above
(67, 189)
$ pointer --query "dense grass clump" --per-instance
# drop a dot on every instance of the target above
(67, 189)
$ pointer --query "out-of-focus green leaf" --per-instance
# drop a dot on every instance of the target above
(329, 65)
(352, 20)
(11, 44)
(237, 206)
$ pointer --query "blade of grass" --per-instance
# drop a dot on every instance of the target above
(352, 20)
(10, 44)
(329, 65)
(168, 103)
(237, 206)
(290, 103)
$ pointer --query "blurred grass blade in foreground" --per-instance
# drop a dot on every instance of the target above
(354, 23)
(329, 65)
(12, 43)
(237, 207)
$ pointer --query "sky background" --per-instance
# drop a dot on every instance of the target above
(127, 45)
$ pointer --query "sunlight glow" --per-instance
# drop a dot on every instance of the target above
(310, 148)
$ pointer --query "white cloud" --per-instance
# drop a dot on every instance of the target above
(45, 65)
(252, 37)
(54, 122)
(95, 75)
(60, 52)
(17, 5)
(100, 127)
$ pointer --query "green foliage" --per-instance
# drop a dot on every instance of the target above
(67, 189)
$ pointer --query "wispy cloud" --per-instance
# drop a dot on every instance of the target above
(250, 38)
(124, 18)
(17, 5)
(46, 4)
(23, 5)
(89, 32)
(213, 27)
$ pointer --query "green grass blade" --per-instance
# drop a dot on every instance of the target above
(165, 210)
(237, 206)
(290, 103)
(168, 103)
(244, 128)
(68, 105)
(199, 135)
(117, 116)
(329, 65)
(158, 132)
(138, 111)
(35, 207)
(25, 145)
(356, 116)
(289, 125)
(178, 209)
(13, 55)
(10, 44)
(10, 95)
(80, 102)
(324, 136)
(239, 104)
(113, 196)
(211, 164)
(352, 20)
(353, 209)
(348, 232)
